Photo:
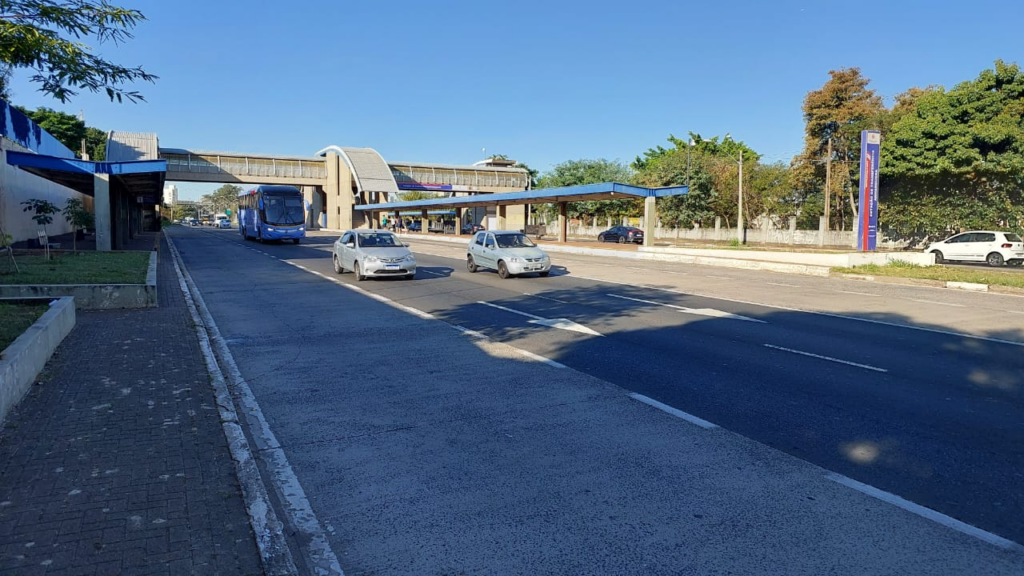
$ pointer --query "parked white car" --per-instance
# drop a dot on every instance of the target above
(510, 253)
(995, 248)
(370, 253)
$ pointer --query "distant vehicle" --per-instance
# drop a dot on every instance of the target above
(510, 253)
(370, 253)
(193, 222)
(994, 248)
(622, 235)
(223, 223)
(272, 213)
(469, 228)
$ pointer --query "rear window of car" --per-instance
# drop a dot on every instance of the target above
(1012, 238)
(984, 237)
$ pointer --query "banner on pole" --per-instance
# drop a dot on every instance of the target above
(867, 228)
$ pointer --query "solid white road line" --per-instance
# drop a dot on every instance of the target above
(936, 302)
(527, 314)
(857, 293)
(783, 285)
(711, 312)
(560, 323)
(429, 272)
(926, 513)
(546, 298)
(829, 358)
(673, 411)
(718, 277)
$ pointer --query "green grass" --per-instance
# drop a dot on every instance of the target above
(81, 268)
(16, 318)
(943, 273)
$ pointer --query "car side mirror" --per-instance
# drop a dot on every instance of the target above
(350, 244)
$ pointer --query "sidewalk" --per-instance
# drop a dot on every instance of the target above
(116, 462)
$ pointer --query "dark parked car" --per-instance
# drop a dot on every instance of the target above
(468, 228)
(622, 234)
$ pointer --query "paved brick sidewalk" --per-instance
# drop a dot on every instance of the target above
(117, 463)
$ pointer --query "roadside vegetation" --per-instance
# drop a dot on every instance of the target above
(82, 268)
(944, 273)
(15, 319)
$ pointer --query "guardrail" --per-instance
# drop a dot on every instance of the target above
(246, 166)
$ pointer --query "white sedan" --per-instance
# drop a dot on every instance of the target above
(995, 248)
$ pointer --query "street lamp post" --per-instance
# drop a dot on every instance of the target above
(739, 218)
(688, 146)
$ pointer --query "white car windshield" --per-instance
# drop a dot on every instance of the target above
(513, 241)
(378, 240)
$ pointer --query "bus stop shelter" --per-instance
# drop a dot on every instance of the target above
(557, 196)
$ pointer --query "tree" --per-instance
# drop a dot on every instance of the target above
(838, 112)
(955, 159)
(577, 172)
(70, 131)
(44, 211)
(79, 218)
(411, 195)
(45, 36)
(222, 198)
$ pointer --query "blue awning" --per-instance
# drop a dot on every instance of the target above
(586, 192)
(141, 178)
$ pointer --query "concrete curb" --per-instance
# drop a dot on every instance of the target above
(22, 361)
(94, 296)
(968, 286)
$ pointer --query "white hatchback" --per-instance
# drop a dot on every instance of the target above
(510, 253)
(995, 248)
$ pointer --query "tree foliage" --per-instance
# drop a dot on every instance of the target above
(70, 131)
(222, 199)
(46, 37)
(955, 159)
(584, 171)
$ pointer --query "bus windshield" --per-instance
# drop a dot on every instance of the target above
(283, 210)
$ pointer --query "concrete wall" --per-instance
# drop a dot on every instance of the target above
(17, 186)
(22, 361)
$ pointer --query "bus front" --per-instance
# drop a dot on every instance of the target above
(283, 214)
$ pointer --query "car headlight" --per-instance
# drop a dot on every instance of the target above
(269, 229)
(370, 259)
(409, 258)
(514, 259)
(302, 228)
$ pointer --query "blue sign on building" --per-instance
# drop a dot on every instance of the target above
(867, 228)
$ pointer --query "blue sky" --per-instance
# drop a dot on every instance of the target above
(542, 82)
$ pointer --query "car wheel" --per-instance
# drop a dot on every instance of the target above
(939, 259)
(337, 266)
(470, 264)
(600, 237)
(358, 273)
(503, 270)
(994, 259)
(622, 239)
(545, 274)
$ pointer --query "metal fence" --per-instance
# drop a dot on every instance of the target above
(459, 177)
(246, 166)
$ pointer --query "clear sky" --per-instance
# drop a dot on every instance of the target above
(540, 81)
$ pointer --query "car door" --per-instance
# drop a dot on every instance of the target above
(346, 254)
(956, 248)
(489, 252)
(476, 248)
(613, 234)
(982, 244)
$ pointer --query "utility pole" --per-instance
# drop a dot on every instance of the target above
(739, 218)
(828, 183)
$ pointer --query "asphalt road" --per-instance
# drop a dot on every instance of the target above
(934, 415)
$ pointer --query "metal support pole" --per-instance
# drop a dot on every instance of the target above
(739, 220)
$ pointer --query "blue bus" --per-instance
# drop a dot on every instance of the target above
(272, 213)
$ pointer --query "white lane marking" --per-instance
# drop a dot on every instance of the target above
(469, 332)
(673, 411)
(784, 285)
(697, 311)
(936, 302)
(527, 314)
(829, 358)
(1016, 311)
(857, 293)
(718, 277)
(817, 313)
(546, 298)
(560, 323)
(542, 359)
(926, 513)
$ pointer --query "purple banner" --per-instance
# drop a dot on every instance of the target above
(867, 228)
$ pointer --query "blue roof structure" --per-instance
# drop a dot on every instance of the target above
(586, 192)
(144, 177)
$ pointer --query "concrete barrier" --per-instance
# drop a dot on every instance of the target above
(93, 296)
(828, 260)
(22, 361)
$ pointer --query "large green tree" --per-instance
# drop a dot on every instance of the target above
(585, 171)
(955, 159)
(47, 37)
(70, 131)
(836, 113)
(222, 199)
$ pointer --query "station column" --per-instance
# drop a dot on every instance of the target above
(650, 219)
(562, 222)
